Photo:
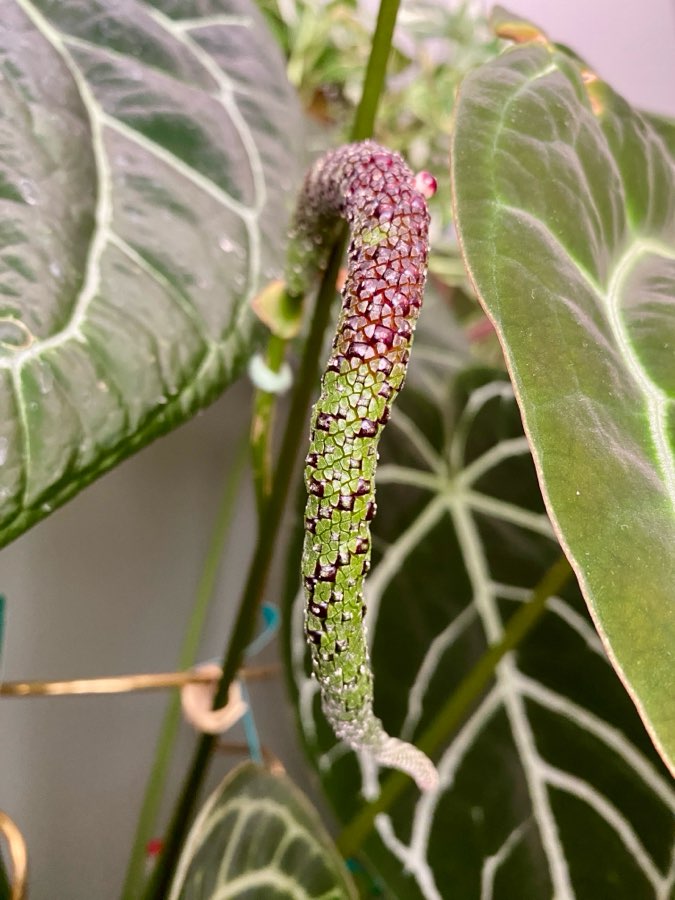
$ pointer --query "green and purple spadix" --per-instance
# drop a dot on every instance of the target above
(384, 204)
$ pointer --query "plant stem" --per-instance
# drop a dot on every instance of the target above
(459, 704)
(294, 433)
(376, 71)
(147, 820)
(262, 422)
(362, 127)
(256, 581)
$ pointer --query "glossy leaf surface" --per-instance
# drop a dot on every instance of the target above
(148, 154)
(258, 836)
(551, 786)
(565, 208)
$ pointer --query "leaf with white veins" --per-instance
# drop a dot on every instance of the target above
(550, 787)
(148, 153)
(257, 836)
(565, 209)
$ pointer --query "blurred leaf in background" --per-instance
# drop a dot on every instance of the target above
(435, 44)
(258, 836)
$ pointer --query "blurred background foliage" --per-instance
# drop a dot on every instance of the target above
(326, 44)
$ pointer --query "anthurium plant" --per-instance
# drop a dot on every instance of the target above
(478, 624)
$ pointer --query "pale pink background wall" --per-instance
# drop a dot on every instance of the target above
(630, 43)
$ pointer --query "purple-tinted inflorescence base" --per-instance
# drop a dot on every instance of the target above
(375, 191)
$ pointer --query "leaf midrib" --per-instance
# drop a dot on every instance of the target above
(103, 230)
(656, 399)
(103, 210)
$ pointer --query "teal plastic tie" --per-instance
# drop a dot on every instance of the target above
(270, 623)
(250, 730)
(271, 618)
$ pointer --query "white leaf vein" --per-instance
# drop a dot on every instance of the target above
(417, 439)
(437, 649)
(497, 454)
(485, 600)
(610, 736)
(581, 789)
(103, 207)
(396, 555)
(493, 863)
(561, 609)
(415, 855)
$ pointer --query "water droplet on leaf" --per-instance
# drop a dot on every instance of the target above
(28, 191)
(45, 378)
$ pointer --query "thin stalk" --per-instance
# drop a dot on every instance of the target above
(460, 703)
(154, 791)
(362, 128)
(262, 423)
(294, 434)
(376, 71)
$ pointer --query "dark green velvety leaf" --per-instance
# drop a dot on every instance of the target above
(551, 786)
(258, 836)
(148, 153)
(565, 208)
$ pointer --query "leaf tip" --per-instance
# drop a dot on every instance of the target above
(512, 28)
(595, 90)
